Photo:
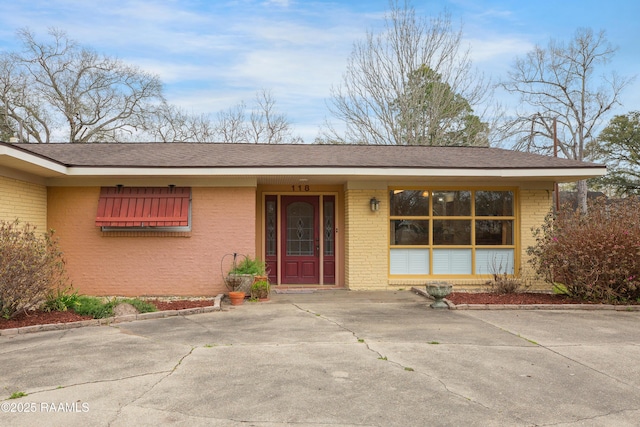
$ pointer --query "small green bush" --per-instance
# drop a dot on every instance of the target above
(61, 300)
(30, 266)
(140, 305)
(94, 307)
(249, 265)
(594, 256)
(98, 308)
(260, 289)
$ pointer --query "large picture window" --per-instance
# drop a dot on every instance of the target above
(451, 232)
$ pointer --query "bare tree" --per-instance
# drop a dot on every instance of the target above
(172, 124)
(558, 84)
(266, 124)
(61, 91)
(23, 106)
(230, 125)
(412, 70)
(263, 125)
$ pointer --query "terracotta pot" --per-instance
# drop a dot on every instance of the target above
(237, 298)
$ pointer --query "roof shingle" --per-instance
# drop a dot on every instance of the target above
(218, 155)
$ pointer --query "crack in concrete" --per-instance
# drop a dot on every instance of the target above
(167, 373)
(595, 417)
(149, 389)
(563, 356)
(381, 356)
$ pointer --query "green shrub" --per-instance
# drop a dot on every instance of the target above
(595, 256)
(98, 308)
(94, 307)
(260, 289)
(30, 266)
(249, 265)
(140, 305)
(61, 300)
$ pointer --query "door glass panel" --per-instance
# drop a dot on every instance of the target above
(328, 227)
(271, 227)
(300, 229)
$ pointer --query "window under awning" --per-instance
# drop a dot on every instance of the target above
(142, 207)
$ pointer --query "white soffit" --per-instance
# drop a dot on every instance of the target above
(30, 163)
(346, 172)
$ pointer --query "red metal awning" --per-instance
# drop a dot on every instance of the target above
(143, 207)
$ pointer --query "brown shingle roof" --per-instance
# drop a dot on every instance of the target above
(193, 155)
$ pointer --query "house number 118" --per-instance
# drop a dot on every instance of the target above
(300, 188)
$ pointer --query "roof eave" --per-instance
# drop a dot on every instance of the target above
(544, 174)
(25, 161)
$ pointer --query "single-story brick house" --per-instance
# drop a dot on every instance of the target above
(139, 219)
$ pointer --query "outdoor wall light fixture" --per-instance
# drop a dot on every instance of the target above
(374, 204)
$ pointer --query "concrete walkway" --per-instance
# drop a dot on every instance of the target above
(332, 358)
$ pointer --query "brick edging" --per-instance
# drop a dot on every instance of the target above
(587, 307)
(113, 320)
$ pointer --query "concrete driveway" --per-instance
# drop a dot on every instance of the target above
(333, 358)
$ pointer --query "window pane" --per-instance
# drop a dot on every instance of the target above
(494, 232)
(452, 203)
(405, 232)
(409, 261)
(451, 232)
(494, 203)
(452, 261)
(494, 261)
(409, 202)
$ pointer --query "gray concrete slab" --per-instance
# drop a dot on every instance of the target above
(330, 358)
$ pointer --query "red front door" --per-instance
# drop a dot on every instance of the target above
(300, 240)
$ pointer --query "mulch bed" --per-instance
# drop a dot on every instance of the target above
(180, 304)
(515, 298)
(46, 318)
(41, 318)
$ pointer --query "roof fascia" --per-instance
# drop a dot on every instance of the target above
(555, 173)
(25, 161)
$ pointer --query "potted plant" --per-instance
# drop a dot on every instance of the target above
(243, 274)
(260, 290)
(236, 298)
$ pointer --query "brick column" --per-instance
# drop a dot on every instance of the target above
(367, 251)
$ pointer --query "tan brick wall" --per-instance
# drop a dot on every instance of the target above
(223, 222)
(534, 206)
(25, 201)
(366, 242)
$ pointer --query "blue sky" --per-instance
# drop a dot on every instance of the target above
(213, 54)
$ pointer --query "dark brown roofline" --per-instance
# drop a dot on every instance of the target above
(218, 155)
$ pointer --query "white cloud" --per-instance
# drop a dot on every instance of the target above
(281, 3)
(497, 48)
